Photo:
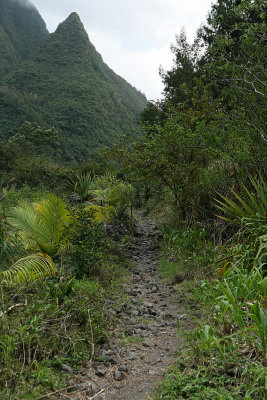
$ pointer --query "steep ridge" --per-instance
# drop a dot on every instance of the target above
(66, 84)
(22, 30)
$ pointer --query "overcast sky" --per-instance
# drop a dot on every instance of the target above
(133, 36)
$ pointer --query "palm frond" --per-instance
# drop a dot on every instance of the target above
(43, 223)
(54, 217)
(25, 219)
(28, 270)
(101, 195)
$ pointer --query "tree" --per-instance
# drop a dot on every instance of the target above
(227, 19)
(35, 140)
(236, 63)
(174, 157)
(180, 78)
(178, 82)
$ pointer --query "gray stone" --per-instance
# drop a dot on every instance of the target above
(123, 368)
(66, 369)
(102, 352)
(146, 344)
(112, 360)
(144, 334)
(119, 375)
(136, 371)
(152, 311)
(152, 372)
(79, 386)
(168, 315)
(100, 371)
(131, 292)
(131, 356)
(141, 326)
(100, 397)
(94, 387)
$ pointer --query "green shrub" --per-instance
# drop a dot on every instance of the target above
(213, 381)
(187, 251)
(55, 323)
(109, 190)
(87, 245)
(13, 195)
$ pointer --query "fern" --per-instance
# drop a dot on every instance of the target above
(28, 270)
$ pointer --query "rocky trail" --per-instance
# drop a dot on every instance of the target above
(145, 342)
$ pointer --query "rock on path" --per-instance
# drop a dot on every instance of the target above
(145, 343)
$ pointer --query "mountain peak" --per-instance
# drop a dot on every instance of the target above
(72, 34)
(71, 23)
(74, 17)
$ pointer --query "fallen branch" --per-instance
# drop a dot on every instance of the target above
(11, 308)
(101, 391)
(59, 391)
(92, 335)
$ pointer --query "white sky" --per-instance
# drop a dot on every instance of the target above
(133, 36)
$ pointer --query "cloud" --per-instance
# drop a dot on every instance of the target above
(133, 37)
(25, 3)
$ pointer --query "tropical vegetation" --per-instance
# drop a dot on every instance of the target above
(197, 165)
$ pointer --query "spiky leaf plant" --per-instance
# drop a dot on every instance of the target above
(81, 185)
(27, 270)
(254, 203)
(250, 213)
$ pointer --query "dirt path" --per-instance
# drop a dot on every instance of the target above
(145, 343)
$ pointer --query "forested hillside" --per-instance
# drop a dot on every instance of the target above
(22, 30)
(65, 84)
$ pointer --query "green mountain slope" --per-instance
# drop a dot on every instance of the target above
(66, 84)
(22, 30)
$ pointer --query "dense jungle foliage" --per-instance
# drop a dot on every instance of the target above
(198, 167)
